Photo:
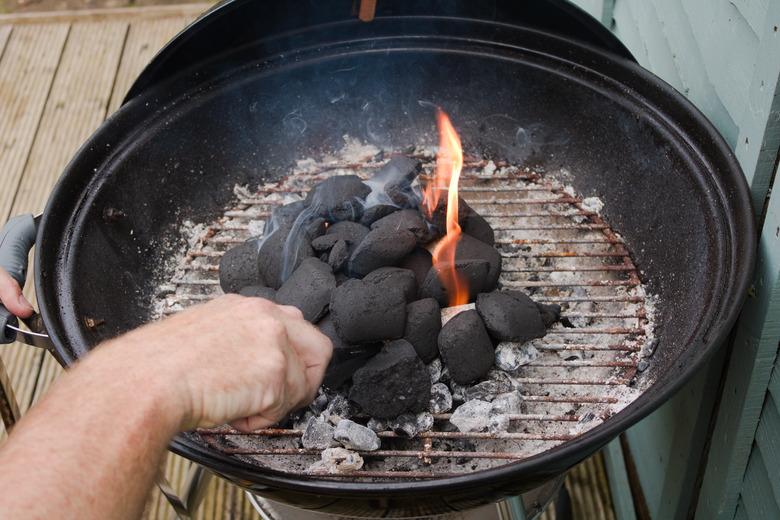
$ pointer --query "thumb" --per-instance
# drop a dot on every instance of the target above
(11, 296)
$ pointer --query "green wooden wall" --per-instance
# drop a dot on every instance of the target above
(725, 57)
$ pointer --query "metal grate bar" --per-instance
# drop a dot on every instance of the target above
(564, 395)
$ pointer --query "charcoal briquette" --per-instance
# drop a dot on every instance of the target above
(393, 382)
(364, 312)
(551, 313)
(351, 232)
(338, 198)
(382, 247)
(271, 258)
(285, 215)
(469, 248)
(423, 323)
(508, 318)
(309, 288)
(339, 254)
(259, 291)
(373, 213)
(397, 177)
(397, 276)
(475, 225)
(408, 219)
(238, 268)
(346, 357)
(473, 272)
(465, 347)
(324, 242)
(419, 261)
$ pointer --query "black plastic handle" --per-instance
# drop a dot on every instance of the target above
(16, 239)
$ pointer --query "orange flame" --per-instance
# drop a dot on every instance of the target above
(449, 162)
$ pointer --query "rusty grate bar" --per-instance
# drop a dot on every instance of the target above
(595, 299)
(589, 347)
(416, 454)
(593, 330)
(562, 392)
(551, 254)
(279, 432)
(586, 283)
(570, 269)
(546, 241)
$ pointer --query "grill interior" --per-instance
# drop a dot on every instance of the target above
(555, 246)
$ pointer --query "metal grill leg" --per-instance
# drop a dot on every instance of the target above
(9, 408)
(186, 505)
(511, 509)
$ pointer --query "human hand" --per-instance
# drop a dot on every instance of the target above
(11, 296)
(239, 359)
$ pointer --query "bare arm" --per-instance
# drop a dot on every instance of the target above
(92, 447)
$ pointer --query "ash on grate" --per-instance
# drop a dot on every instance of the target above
(542, 408)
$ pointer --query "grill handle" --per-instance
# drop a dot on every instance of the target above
(16, 239)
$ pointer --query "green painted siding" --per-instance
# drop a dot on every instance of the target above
(725, 57)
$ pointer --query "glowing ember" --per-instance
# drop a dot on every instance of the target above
(449, 162)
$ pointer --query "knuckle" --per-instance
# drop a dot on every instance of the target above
(257, 305)
(276, 329)
(277, 364)
(294, 311)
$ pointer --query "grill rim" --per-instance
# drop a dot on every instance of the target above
(690, 128)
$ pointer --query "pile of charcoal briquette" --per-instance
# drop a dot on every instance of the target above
(352, 258)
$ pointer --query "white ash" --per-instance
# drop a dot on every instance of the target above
(498, 422)
(507, 403)
(511, 356)
(180, 284)
(489, 168)
(378, 425)
(338, 409)
(337, 460)
(487, 390)
(593, 204)
(411, 425)
(472, 416)
(447, 313)
(441, 398)
(303, 421)
(318, 434)
(435, 369)
(355, 436)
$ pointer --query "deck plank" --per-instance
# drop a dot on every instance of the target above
(30, 59)
(77, 104)
(113, 14)
(144, 39)
(5, 33)
(27, 69)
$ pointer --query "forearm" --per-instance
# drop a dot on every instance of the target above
(92, 447)
(94, 444)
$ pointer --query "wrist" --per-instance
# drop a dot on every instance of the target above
(128, 370)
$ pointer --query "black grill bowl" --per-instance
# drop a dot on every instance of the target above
(670, 184)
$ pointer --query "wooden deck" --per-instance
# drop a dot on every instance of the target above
(61, 74)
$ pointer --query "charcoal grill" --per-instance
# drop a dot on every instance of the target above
(276, 83)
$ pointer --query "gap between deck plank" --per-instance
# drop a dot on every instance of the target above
(108, 14)
(144, 39)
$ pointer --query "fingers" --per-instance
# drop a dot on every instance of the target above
(11, 296)
(250, 424)
(291, 311)
(314, 350)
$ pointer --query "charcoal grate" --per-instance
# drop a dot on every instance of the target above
(554, 245)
